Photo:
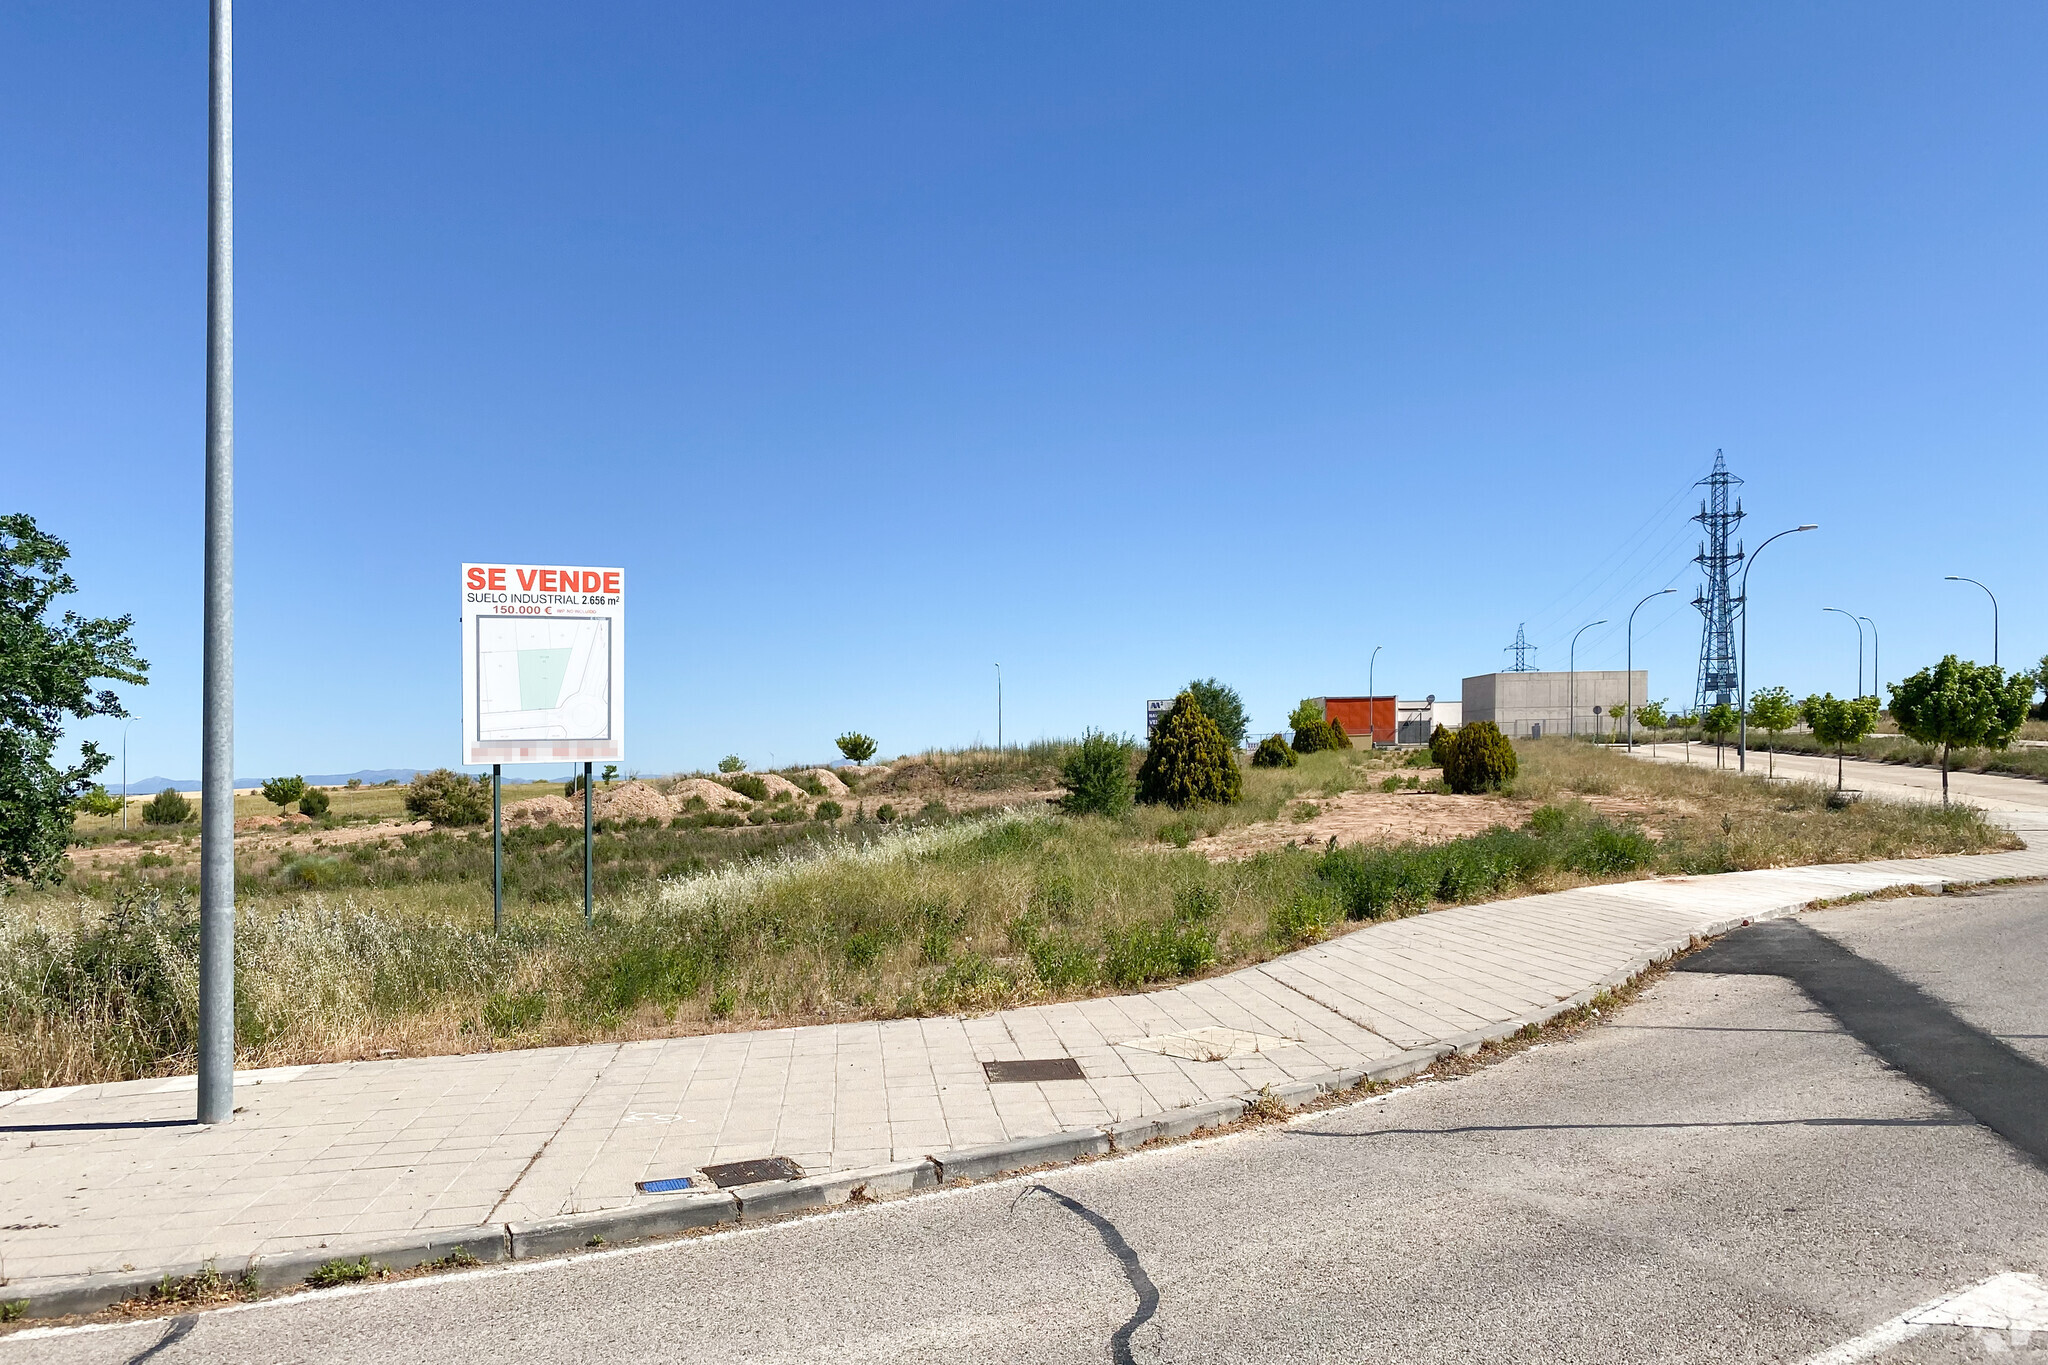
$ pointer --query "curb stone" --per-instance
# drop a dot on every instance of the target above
(574, 1232)
(774, 1197)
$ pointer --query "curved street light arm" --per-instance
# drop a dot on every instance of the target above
(1742, 668)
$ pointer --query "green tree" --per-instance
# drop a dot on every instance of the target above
(97, 800)
(167, 807)
(1097, 775)
(282, 791)
(1222, 705)
(1188, 762)
(1651, 716)
(1840, 721)
(1772, 710)
(2040, 676)
(1718, 723)
(855, 747)
(1479, 758)
(47, 671)
(1961, 703)
(610, 773)
(314, 802)
(1307, 712)
(732, 763)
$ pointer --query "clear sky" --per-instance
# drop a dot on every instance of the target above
(882, 343)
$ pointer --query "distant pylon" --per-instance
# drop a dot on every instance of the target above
(1522, 649)
(1716, 600)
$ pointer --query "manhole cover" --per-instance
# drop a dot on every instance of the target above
(1209, 1044)
(729, 1173)
(1035, 1069)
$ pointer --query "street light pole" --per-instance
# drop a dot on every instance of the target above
(1631, 708)
(1571, 695)
(1372, 729)
(1742, 669)
(1859, 644)
(216, 1041)
(1958, 578)
(1875, 677)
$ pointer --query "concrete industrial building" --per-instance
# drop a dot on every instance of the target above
(1526, 705)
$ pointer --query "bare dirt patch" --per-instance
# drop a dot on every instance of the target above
(1403, 817)
(248, 843)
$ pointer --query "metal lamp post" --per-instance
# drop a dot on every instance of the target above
(1372, 728)
(1631, 708)
(1875, 677)
(1571, 695)
(216, 1041)
(1958, 578)
(1742, 668)
(1859, 644)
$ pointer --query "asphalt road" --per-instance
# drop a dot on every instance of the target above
(1722, 1172)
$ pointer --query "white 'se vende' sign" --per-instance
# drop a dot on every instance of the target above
(543, 663)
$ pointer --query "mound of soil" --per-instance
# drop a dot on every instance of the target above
(830, 781)
(716, 795)
(633, 800)
(776, 783)
(545, 810)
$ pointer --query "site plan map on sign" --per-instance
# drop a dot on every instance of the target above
(545, 679)
(543, 663)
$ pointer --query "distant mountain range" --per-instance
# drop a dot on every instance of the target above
(150, 786)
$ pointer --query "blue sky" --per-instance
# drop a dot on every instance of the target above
(1118, 345)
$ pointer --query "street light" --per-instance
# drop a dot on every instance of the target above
(1371, 718)
(1859, 644)
(1958, 578)
(1632, 665)
(1875, 677)
(1571, 702)
(1742, 670)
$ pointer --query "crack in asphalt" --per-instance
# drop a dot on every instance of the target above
(1134, 1270)
(180, 1328)
(1977, 1072)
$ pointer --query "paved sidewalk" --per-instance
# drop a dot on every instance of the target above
(115, 1177)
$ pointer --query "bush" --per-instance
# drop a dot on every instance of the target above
(732, 763)
(1183, 945)
(855, 746)
(1482, 760)
(167, 807)
(1441, 742)
(1188, 762)
(1305, 918)
(1097, 776)
(828, 811)
(746, 784)
(97, 800)
(808, 782)
(447, 797)
(314, 803)
(1314, 735)
(886, 813)
(282, 791)
(1273, 753)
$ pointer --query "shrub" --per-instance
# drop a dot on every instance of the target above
(1188, 761)
(886, 813)
(282, 791)
(855, 746)
(167, 807)
(732, 763)
(1441, 742)
(355, 783)
(1482, 760)
(808, 782)
(1183, 945)
(1304, 918)
(1222, 705)
(828, 811)
(1273, 753)
(447, 797)
(933, 809)
(1097, 776)
(746, 784)
(97, 800)
(1314, 735)
(314, 803)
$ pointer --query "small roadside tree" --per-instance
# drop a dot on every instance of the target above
(283, 791)
(47, 671)
(855, 747)
(2040, 676)
(1222, 705)
(1188, 762)
(1772, 710)
(1717, 724)
(1840, 721)
(97, 800)
(1273, 753)
(732, 763)
(1097, 775)
(1958, 703)
(1650, 715)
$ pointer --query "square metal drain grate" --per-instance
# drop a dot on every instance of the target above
(729, 1173)
(1036, 1069)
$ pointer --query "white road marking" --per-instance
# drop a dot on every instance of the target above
(2011, 1302)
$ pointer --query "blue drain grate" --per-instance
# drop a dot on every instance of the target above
(669, 1186)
